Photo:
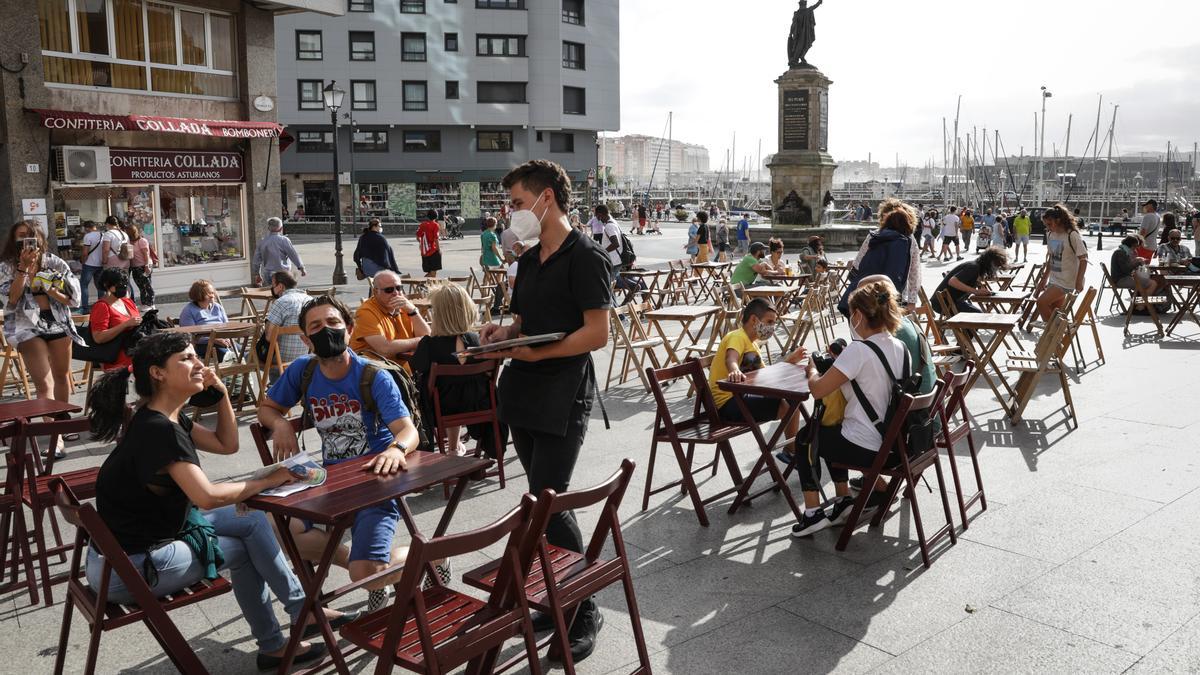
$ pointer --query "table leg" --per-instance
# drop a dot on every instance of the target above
(766, 460)
(672, 358)
(986, 359)
(1187, 308)
(311, 579)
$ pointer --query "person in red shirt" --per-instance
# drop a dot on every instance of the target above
(427, 238)
(115, 314)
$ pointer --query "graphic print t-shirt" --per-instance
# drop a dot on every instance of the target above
(347, 430)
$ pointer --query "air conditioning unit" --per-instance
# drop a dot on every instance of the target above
(83, 164)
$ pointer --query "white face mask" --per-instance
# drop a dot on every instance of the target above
(854, 329)
(525, 224)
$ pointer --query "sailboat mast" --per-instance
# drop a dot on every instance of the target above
(670, 143)
(1108, 164)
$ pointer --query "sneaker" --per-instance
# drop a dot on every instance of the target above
(839, 513)
(810, 525)
(856, 484)
(444, 573)
(378, 598)
(874, 503)
(784, 459)
(583, 632)
(315, 651)
(542, 621)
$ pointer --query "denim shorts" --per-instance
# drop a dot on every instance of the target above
(372, 533)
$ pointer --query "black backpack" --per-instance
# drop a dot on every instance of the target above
(919, 428)
(402, 378)
(628, 257)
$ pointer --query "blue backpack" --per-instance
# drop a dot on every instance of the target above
(888, 252)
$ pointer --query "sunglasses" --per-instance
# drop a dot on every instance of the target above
(389, 289)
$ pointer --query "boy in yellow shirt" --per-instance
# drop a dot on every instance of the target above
(737, 355)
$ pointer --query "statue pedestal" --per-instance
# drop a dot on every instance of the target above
(803, 164)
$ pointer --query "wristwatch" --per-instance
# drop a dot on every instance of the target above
(412, 313)
(398, 444)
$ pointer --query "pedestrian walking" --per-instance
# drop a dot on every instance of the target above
(274, 253)
(373, 253)
(428, 236)
(141, 265)
(91, 263)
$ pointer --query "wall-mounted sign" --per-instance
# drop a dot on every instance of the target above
(795, 116)
(175, 166)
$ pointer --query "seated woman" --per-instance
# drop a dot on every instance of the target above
(114, 314)
(151, 488)
(813, 253)
(204, 309)
(967, 279)
(1124, 264)
(875, 317)
(774, 260)
(453, 313)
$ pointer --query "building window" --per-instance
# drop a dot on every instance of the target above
(573, 55)
(314, 141)
(416, 96)
(501, 92)
(362, 94)
(451, 42)
(308, 45)
(422, 141)
(412, 46)
(139, 45)
(362, 5)
(451, 89)
(309, 96)
(500, 4)
(371, 141)
(500, 45)
(412, 6)
(562, 142)
(572, 11)
(362, 45)
(574, 101)
(494, 141)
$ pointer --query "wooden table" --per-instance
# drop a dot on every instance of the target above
(348, 489)
(684, 315)
(424, 306)
(1001, 300)
(204, 329)
(785, 381)
(775, 294)
(967, 327)
(1191, 283)
(650, 280)
(16, 411)
(417, 285)
(786, 279)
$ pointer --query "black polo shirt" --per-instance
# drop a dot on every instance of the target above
(551, 297)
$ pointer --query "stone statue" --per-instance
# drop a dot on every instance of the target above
(792, 211)
(803, 34)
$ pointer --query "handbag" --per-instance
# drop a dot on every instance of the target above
(106, 352)
(358, 274)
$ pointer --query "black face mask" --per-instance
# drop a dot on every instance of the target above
(329, 343)
(274, 294)
(120, 290)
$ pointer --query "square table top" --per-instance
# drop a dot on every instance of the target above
(779, 380)
(38, 407)
(682, 312)
(349, 488)
(768, 290)
(1183, 279)
(983, 320)
(206, 328)
(1001, 296)
(711, 265)
(643, 273)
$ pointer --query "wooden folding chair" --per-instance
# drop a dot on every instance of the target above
(1045, 359)
(245, 366)
(951, 411)
(1078, 319)
(274, 358)
(631, 345)
(901, 475)
(1088, 319)
(437, 630)
(12, 364)
(1117, 300)
(37, 495)
(1139, 299)
(704, 427)
(456, 375)
(560, 579)
(102, 615)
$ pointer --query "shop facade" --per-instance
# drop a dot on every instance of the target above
(160, 113)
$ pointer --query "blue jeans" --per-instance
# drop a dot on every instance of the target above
(253, 558)
(86, 279)
(369, 267)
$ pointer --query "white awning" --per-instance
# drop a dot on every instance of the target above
(328, 7)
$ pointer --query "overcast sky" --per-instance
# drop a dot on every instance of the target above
(897, 67)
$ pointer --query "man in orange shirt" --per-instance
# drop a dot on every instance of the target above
(387, 323)
(428, 234)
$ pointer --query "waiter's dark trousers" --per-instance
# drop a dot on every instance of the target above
(549, 461)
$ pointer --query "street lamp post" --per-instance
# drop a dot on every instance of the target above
(333, 101)
(1042, 150)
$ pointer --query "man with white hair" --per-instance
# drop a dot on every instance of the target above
(274, 253)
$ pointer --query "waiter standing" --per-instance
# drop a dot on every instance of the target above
(545, 393)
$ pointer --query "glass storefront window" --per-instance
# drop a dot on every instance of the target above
(81, 204)
(200, 224)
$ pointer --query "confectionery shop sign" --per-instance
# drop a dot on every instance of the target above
(175, 166)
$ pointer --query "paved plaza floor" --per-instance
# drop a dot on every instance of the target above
(1085, 560)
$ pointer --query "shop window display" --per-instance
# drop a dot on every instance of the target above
(200, 224)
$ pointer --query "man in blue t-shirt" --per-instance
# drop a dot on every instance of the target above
(347, 430)
(743, 235)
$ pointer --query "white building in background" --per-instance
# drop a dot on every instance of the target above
(446, 96)
(636, 157)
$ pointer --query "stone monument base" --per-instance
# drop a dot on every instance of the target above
(835, 237)
(802, 169)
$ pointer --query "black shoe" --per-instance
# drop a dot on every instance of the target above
(583, 632)
(315, 652)
(542, 622)
(874, 503)
(856, 484)
(810, 525)
(839, 512)
(312, 629)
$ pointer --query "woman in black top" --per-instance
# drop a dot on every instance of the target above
(150, 488)
(453, 314)
(966, 279)
(373, 254)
